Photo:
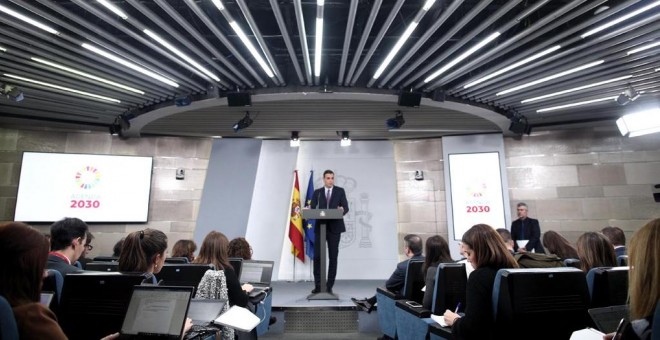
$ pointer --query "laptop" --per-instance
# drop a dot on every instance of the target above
(607, 318)
(258, 274)
(156, 312)
(204, 311)
(46, 298)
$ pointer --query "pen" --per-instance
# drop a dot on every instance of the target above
(619, 328)
(457, 307)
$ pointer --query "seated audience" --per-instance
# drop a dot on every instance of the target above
(412, 249)
(144, 252)
(221, 283)
(24, 253)
(184, 248)
(595, 250)
(617, 238)
(436, 252)
(506, 237)
(116, 250)
(485, 251)
(239, 247)
(643, 282)
(84, 257)
(67, 242)
(558, 245)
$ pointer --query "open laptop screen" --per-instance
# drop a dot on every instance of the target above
(257, 272)
(157, 310)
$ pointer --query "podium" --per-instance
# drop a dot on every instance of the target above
(322, 216)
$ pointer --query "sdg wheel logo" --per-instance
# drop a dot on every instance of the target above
(88, 177)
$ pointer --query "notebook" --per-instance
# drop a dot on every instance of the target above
(156, 312)
(607, 318)
(46, 298)
(203, 311)
(258, 274)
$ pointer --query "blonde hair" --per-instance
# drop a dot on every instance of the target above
(644, 274)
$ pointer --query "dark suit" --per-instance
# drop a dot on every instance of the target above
(334, 228)
(527, 229)
(59, 264)
(398, 278)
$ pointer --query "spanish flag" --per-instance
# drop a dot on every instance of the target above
(295, 222)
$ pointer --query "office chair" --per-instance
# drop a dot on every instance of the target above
(8, 328)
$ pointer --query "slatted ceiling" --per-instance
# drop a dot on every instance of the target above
(448, 29)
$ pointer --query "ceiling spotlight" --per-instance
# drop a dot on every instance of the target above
(11, 92)
(295, 141)
(182, 100)
(628, 95)
(345, 140)
(396, 122)
(243, 123)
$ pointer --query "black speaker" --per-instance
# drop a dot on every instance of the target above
(410, 99)
(520, 127)
(239, 99)
(656, 193)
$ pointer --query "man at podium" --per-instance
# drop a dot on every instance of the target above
(328, 197)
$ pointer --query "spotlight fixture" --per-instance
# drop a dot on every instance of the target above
(519, 125)
(11, 92)
(396, 122)
(295, 141)
(182, 100)
(120, 125)
(345, 140)
(243, 123)
(628, 95)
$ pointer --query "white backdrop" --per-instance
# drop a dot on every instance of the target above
(365, 170)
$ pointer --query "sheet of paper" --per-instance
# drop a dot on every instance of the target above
(439, 319)
(238, 318)
(587, 334)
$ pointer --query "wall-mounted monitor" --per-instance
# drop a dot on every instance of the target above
(94, 188)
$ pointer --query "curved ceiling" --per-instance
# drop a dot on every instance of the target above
(477, 63)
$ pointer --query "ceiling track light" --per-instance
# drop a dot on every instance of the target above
(244, 123)
(130, 65)
(87, 75)
(629, 95)
(180, 53)
(396, 122)
(113, 9)
(569, 105)
(461, 57)
(579, 88)
(639, 123)
(620, 19)
(513, 66)
(64, 88)
(548, 78)
(295, 141)
(644, 47)
(12, 92)
(29, 20)
(345, 139)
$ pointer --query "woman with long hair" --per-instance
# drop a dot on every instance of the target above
(184, 248)
(436, 252)
(484, 249)
(643, 282)
(595, 250)
(558, 245)
(143, 251)
(221, 283)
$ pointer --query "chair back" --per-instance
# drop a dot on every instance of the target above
(237, 264)
(103, 266)
(608, 286)
(655, 329)
(573, 263)
(414, 282)
(94, 304)
(622, 260)
(177, 260)
(106, 259)
(182, 275)
(8, 328)
(548, 301)
(450, 287)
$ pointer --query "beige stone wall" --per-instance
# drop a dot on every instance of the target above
(573, 181)
(174, 203)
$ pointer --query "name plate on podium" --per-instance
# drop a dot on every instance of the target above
(322, 214)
